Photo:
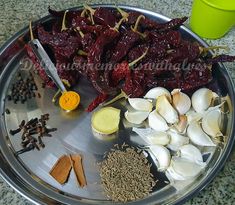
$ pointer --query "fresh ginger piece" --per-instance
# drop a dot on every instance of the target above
(106, 120)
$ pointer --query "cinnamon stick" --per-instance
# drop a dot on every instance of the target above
(60, 171)
(76, 162)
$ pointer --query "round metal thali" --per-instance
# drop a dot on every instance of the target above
(29, 173)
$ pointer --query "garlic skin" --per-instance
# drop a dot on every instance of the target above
(162, 155)
(184, 169)
(136, 117)
(177, 140)
(165, 109)
(211, 123)
(191, 153)
(197, 136)
(157, 122)
(180, 101)
(182, 124)
(202, 98)
(154, 93)
(141, 104)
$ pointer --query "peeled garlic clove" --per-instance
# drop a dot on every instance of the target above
(180, 101)
(185, 168)
(157, 122)
(182, 124)
(162, 155)
(191, 153)
(136, 117)
(165, 109)
(154, 93)
(193, 116)
(211, 123)
(177, 140)
(197, 136)
(202, 98)
(158, 138)
(152, 137)
(141, 104)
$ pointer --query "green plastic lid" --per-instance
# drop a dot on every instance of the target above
(222, 4)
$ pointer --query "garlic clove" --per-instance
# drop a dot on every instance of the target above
(154, 93)
(182, 124)
(157, 122)
(172, 174)
(152, 137)
(211, 123)
(191, 153)
(185, 168)
(193, 116)
(136, 117)
(158, 138)
(162, 155)
(177, 140)
(197, 136)
(202, 98)
(180, 101)
(165, 109)
(141, 104)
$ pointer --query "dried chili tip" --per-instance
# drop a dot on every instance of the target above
(97, 101)
(61, 170)
(76, 162)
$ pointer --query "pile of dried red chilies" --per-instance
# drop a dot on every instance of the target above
(118, 50)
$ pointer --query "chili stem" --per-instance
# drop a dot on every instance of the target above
(83, 13)
(138, 59)
(63, 28)
(204, 50)
(91, 10)
(118, 97)
(141, 34)
(137, 22)
(80, 32)
(123, 13)
(118, 24)
(31, 30)
(82, 53)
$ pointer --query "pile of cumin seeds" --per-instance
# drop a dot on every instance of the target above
(125, 175)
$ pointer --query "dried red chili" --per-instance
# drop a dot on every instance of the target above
(126, 42)
(90, 31)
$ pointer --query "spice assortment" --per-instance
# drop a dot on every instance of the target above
(31, 128)
(125, 174)
(178, 128)
(61, 170)
(140, 53)
(23, 89)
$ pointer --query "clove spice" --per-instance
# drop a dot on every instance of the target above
(33, 127)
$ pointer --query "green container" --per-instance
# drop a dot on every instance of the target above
(212, 18)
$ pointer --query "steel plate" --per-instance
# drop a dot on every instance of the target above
(28, 173)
